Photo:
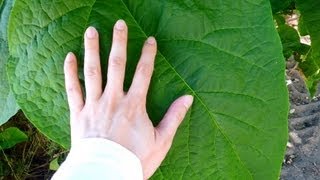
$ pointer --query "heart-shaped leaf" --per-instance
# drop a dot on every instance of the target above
(225, 53)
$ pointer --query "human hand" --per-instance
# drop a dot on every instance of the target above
(117, 115)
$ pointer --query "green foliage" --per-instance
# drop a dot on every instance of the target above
(309, 24)
(302, 29)
(280, 20)
(225, 53)
(8, 104)
(310, 14)
(54, 165)
(281, 5)
(10, 137)
(290, 40)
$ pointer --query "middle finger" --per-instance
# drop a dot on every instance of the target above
(92, 68)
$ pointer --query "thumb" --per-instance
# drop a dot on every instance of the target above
(174, 116)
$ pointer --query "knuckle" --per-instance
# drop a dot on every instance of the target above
(92, 47)
(135, 103)
(70, 90)
(139, 106)
(75, 108)
(145, 69)
(120, 35)
(137, 97)
(91, 71)
(73, 91)
(179, 115)
(116, 62)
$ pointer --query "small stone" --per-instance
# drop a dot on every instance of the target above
(288, 82)
(289, 145)
(295, 138)
(289, 159)
(292, 156)
(292, 111)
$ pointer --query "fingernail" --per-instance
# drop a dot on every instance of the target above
(188, 100)
(120, 24)
(151, 40)
(91, 32)
(69, 57)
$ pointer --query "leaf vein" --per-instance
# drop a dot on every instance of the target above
(223, 51)
(233, 93)
(215, 123)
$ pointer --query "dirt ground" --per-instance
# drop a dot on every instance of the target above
(302, 160)
(29, 160)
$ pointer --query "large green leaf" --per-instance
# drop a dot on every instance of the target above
(310, 14)
(226, 53)
(8, 105)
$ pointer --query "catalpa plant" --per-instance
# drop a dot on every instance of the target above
(227, 54)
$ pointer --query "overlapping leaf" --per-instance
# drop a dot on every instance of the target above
(281, 5)
(225, 53)
(310, 15)
(8, 105)
(10, 137)
(290, 40)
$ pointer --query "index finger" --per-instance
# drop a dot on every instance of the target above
(73, 88)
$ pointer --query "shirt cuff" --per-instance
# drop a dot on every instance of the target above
(98, 158)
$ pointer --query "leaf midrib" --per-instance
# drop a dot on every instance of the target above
(215, 123)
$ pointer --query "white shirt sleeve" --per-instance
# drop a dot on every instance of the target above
(97, 158)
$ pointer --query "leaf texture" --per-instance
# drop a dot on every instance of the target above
(225, 53)
(8, 105)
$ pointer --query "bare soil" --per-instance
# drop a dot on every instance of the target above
(29, 160)
(302, 160)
